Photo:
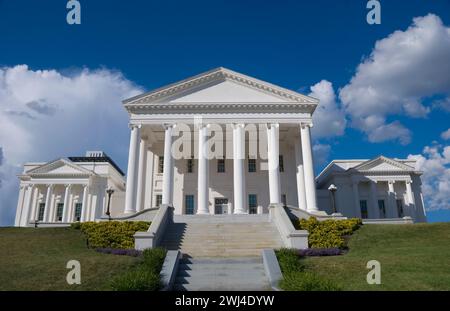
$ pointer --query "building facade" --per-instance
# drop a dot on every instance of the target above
(217, 143)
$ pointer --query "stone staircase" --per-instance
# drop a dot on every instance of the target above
(221, 235)
(237, 274)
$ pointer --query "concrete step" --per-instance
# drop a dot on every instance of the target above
(238, 274)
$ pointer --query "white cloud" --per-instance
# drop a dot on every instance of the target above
(402, 71)
(435, 164)
(446, 134)
(329, 120)
(45, 114)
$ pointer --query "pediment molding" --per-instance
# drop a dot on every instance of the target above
(395, 166)
(156, 97)
(49, 168)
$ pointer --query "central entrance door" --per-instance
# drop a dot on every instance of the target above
(220, 205)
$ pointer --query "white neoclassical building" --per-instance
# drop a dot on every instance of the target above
(219, 143)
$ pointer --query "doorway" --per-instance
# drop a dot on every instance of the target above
(220, 206)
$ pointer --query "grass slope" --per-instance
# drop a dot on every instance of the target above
(35, 259)
(412, 257)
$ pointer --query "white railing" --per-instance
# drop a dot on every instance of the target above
(152, 237)
(291, 237)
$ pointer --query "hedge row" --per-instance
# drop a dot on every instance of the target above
(112, 234)
(328, 233)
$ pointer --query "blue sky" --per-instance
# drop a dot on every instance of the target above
(295, 44)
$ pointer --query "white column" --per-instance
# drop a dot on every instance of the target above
(310, 183)
(149, 178)
(239, 186)
(273, 165)
(19, 209)
(66, 203)
(410, 197)
(32, 216)
(355, 186)
(374, 200)
(392, 207)
(131, 173)
(141, 174)
(70, 211)
(27, 205)
(84, 211)
(48, 202)
(203, 171)
(301, 192)
(167, 195)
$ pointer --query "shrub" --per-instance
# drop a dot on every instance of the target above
(145, 276)
(306, 281)
(310, 252)
(296, 277)
(328, 233)
(112, 234)
(124, 252)
(137, 279)
(75, 225)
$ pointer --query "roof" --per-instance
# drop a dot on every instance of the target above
(104, 158)
(219, 74)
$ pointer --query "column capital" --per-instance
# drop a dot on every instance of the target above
(270, 125)
(50, 186)
(408, 182)
(134, 126)
(167, 126)
(306, 124)
(237, 125)
(391, 182)
(68, 185)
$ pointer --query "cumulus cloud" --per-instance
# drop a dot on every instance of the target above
(435, 164)
(402, 72)
(45, 114)
(446, 134)
(329, 120)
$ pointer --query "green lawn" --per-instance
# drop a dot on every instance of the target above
(35, 259)
(412, 257)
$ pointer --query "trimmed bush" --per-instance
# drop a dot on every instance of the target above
(112, 234)
(311, 252)
(123, 252)
(296, 276)
(328, 233)
(145, 276)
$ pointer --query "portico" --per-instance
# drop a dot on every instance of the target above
(217, 135)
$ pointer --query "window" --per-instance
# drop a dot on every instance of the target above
(59, 211)
(400, 211)
(382, 208)
(41, 211)
(158, 200)
(189, 204)
(251, 165)
(281, 163)
(284, 199)
(160, 164)
(252, 204)
(363, 207)
(220, 166)
(190, 165)
(78, 207)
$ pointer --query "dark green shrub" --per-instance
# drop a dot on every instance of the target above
(296, 276)
(145, 276)
(112, 234)
(154, 258)
(288, 260)
(138, 279)
(75, 225)
(328, 233)
(306, 281)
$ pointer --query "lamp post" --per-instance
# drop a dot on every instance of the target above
(332, 188)
(110, 191)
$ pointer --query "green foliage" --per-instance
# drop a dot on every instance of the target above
(306, 281)
(296, 276)
(288, 260)
(75, 225)
(328, 233)
(112, 234)
(145, 276)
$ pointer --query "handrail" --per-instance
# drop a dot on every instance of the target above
(153, 235)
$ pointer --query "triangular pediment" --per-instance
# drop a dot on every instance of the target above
(60, 167)
(383, 164)
(220, 86)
